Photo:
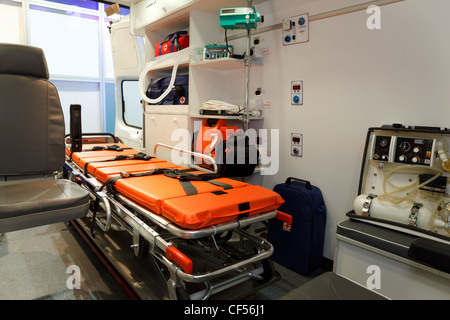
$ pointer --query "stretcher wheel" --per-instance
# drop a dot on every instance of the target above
(268, 269)
(182, 293)
(140, 246)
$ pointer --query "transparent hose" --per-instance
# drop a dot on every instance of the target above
(180, 55)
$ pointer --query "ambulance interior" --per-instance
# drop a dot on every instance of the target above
(179, 168)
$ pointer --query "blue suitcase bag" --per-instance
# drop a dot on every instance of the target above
(179, 94)
(301, 249)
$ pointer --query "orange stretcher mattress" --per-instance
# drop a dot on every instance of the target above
(104, 173)
(96, 159)
(204, 209)
(211, 204)
(151, 191)
(93, 166)
(101, 153)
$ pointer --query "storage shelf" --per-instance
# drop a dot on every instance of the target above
(169, 62)
(203, 116)
(220, 64)
(224, 64)
(167, 109)
(221, 79)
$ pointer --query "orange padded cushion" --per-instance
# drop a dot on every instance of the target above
(150, 191)
(100, 153)
(104, 173)
(95, 159)
(206, 209)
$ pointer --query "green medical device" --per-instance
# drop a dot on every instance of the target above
(239, 18)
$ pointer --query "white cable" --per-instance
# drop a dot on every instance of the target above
(180, 55)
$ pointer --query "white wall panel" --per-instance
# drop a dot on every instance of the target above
(354, 78)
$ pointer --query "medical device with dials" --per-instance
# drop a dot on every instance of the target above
(407, 150)
(404, 179)
(215, 51)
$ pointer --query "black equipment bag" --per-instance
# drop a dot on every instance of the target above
(301, 249)
(239, 157)
(179, 94)
(234, 155)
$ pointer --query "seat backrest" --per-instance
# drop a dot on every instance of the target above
(31, 118)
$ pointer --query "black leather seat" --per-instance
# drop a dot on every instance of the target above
(32, 145)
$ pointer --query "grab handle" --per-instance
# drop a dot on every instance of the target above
(174, 254)
(104, 226)
(308, 184)
(201, 155)
(286, 219)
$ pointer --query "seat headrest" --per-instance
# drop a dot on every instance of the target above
(23, 60)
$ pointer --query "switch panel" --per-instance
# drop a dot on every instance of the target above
(295, 29)
(404, 150)
(297, 92)
(296, 144)
(417, 151)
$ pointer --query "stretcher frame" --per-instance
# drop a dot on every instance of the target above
(141, 222)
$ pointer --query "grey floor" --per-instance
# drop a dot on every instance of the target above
(35, 265)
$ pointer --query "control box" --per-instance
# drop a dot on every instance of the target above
(297, 92)
(404, 150)
(295, 29)
(215, 51)
(296, 144)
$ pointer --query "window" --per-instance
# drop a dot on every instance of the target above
(131, 102)
(69, 40)
(75, 40)
(87, 4)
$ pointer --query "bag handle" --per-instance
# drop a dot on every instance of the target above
(308, 184)
(173, 38)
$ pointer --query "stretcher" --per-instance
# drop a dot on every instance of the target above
(186, 219)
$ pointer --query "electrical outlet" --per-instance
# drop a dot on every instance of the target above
(296, 144)
(295, 29)
(297, 92)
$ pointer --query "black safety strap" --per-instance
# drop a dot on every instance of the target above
(188, 187)
(191, 190)
(116, 158)
(225, 186)
(184, 176)
(137, 156)
(113, 147)
(108, 184)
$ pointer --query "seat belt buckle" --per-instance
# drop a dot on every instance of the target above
(124, 174)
